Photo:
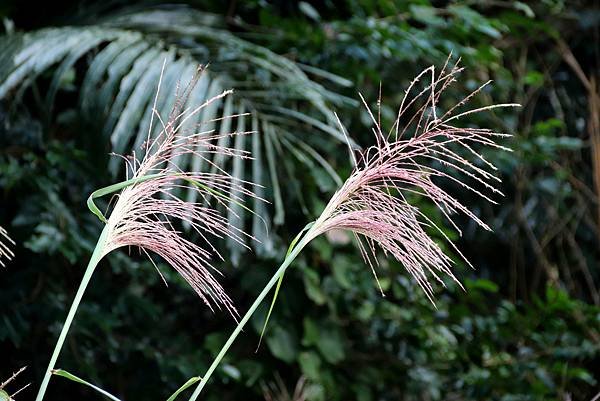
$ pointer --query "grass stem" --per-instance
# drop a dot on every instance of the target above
(279, 273)
(96, 256)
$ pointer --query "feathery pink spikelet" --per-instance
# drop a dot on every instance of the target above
(372, 202)
(5, 251)
(141, 215)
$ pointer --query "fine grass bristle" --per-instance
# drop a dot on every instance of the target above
(421, 148)
(142, 214)
(6, 253)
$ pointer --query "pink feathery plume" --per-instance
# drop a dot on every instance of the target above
(374, 204)
(141, 216)
(5, 251)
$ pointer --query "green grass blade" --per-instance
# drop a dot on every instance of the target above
(294, 251)
(185, 386)
(114, 188)
(87, 276)
(120, 185)
(260, 220)
(268, 136)
(290, 248)
(262, 332)
(235, 214)
(70, 376)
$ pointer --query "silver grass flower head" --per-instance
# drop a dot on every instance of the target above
(422, 148)
(6, 252)
(143, 212)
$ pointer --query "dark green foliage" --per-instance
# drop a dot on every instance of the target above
(528, 325)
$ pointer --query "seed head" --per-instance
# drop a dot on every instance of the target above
(143, 214)
(375, 201)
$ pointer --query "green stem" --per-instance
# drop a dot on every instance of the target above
(96, 256)
(279, 273)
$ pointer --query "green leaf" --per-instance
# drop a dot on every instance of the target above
(235, 213)
(327, 339)
(123, 58)
(282, 344)
(269, 137)
(111, 189)
(70, 376)
(534, 78)
(331, 345)
(309, 11)
(481, 284)
(475, 20)
(260, 221)
(427, 15)
(290, 248)
(185, 386)
(310, 364)
(312, 285)
(231, 371)
(519, 5)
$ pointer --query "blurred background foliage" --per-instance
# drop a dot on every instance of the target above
(526, 328)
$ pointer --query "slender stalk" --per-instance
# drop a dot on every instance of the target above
(96, 256)
(279, 273)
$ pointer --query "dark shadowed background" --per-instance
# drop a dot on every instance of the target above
(76, 81)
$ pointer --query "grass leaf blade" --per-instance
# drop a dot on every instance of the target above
(185, 386)
(72, 377)
(290, 248)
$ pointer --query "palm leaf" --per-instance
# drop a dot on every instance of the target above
(123, 55)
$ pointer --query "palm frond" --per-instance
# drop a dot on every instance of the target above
(122, 55)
